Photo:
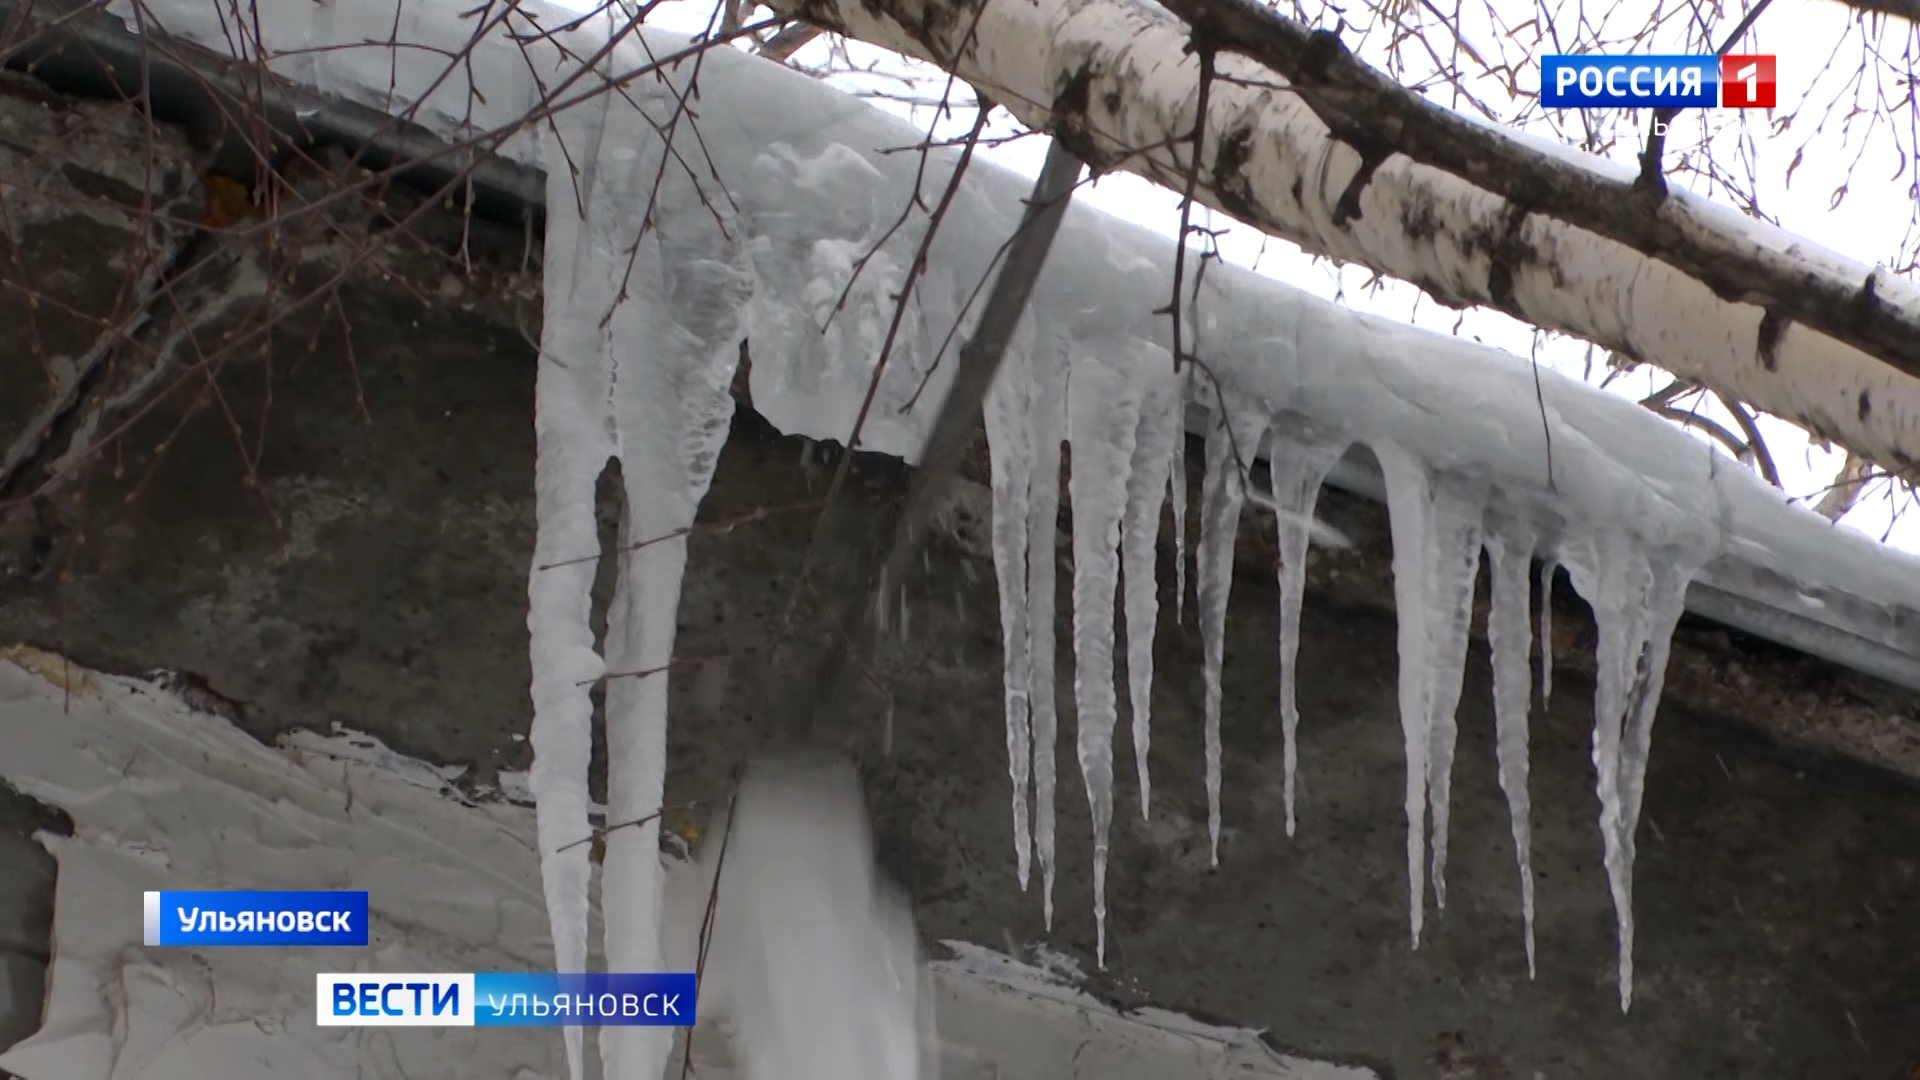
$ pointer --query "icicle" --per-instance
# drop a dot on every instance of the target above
(1436, 526)
(1297, 467)
(1547, 568)
(575, 438)
(1009, 450)
(1457, 524)
(1637, 600)
(1510, 547)
(1048, 422)
(1231, 439)
(674, 409)
(1160, 433)
(1407, 514)
(642, 335)
(1665, 603)
(1103, 418)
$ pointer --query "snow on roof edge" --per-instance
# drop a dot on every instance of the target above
(1457, 403)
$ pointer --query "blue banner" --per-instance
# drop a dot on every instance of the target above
(382, 999)
(505, 999)
(1629, 82)
(239, 917)
(590, 999)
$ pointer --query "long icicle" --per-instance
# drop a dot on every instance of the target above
(1637, 600)
(1009, 446)
(1233, 437)
(1510, 547)
(1160, 433)
(1049, 420)
(1297, 467)
(1454, 560)
(674, 334)
(1408, 512)
(1103, 420)
(1609, 585)
(1665, 601)
(574, 435)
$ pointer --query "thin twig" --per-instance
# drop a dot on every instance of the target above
(721, 527)
(1718, 431)
(1652, 176)
(707, 920)
(1756, 442)
(1540, 403)
(601, 833)
(645, 673)
(1186, 200)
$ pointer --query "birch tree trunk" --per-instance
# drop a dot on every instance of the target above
(1757, 314)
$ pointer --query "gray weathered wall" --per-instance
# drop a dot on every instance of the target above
(324, 511)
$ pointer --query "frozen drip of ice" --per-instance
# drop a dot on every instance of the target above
(1510, 547)
(1047, 425)
(1103, 423)
(1232, 442)
(1637, 597)
(1298, 464)
(1156, 444)
(1009, 446)
(639, 344)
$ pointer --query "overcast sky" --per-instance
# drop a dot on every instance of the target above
(1819, 48)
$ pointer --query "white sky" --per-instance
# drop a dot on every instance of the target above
(1819, 46)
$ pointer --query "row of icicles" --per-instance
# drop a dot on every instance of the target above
(1122, 416)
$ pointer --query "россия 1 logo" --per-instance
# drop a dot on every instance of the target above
(1657, 82)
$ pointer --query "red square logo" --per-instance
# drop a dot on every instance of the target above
(1746, 82)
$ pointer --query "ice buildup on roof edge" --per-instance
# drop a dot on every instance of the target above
(770, 213)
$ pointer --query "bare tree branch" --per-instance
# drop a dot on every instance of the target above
(788, 41)
(1734, 443)
(1845, 490)
(1756, 442)
(1668, 392)
(1652, 175)
(1186, 200)
(1377, 116)
(1819, 341)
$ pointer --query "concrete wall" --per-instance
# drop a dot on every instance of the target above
(317, 505)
